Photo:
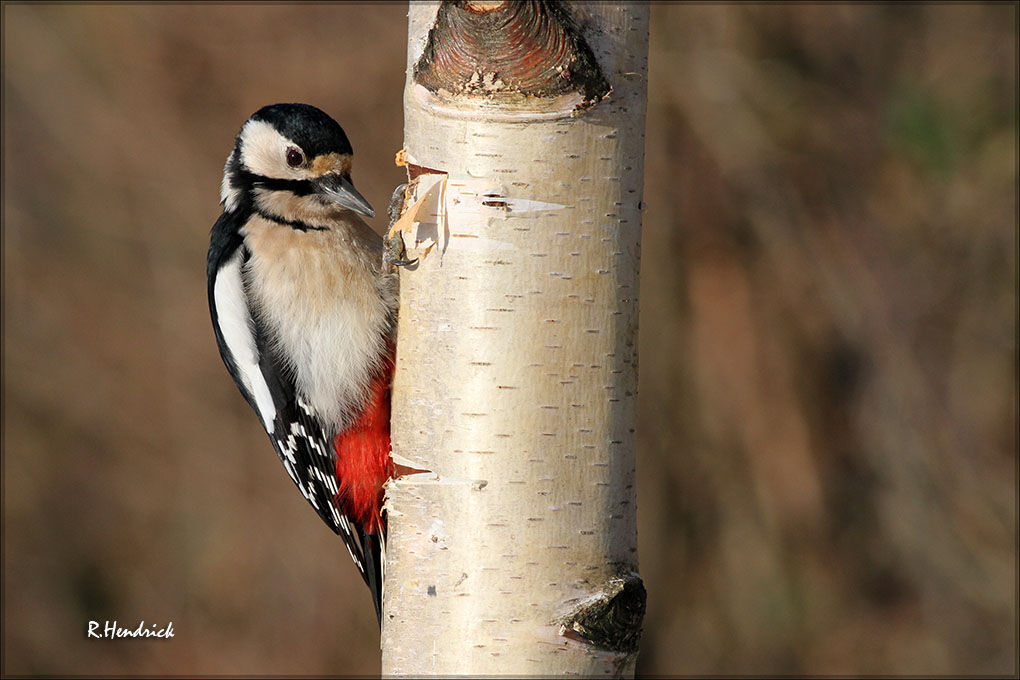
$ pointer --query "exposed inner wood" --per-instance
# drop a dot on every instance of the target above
(484, 6)
(504, 50)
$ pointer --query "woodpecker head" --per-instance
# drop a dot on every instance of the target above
(294, 161)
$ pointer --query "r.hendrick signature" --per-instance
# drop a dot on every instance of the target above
(112, 630)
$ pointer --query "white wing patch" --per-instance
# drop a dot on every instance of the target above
(235, 323)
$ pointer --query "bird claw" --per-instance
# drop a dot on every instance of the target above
(394, 254)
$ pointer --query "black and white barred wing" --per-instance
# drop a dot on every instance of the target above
(298, 438)
(307, 455)
(310, 460)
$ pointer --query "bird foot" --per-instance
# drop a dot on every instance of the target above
(393, 247)
(394, 253)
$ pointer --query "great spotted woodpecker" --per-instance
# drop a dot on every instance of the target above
(303, 298)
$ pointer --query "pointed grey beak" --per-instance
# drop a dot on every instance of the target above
(339, 188)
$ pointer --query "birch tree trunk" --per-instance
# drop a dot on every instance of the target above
(515, 551)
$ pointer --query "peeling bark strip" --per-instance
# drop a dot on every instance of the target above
(508, 52)
(516, 371)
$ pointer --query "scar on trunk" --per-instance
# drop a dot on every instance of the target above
(612, 618)
(509, 53)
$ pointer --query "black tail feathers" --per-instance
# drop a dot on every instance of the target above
(373, 570)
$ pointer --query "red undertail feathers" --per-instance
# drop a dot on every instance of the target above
(363, 462)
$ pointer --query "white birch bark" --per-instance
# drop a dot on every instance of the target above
(516, 376)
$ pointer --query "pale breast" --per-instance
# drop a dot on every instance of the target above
(322, 299)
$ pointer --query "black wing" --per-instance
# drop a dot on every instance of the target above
(301, 442)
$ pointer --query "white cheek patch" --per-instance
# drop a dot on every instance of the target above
(235, 324)
(264, 150)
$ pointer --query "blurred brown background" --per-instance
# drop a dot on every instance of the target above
(828, 445)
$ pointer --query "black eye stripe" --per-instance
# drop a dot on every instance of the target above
(246, 178)
(298, 187)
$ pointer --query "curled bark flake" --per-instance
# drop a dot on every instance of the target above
(509, 53)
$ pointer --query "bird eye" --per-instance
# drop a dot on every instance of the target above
(294, 156)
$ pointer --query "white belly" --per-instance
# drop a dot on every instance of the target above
(319, 295)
